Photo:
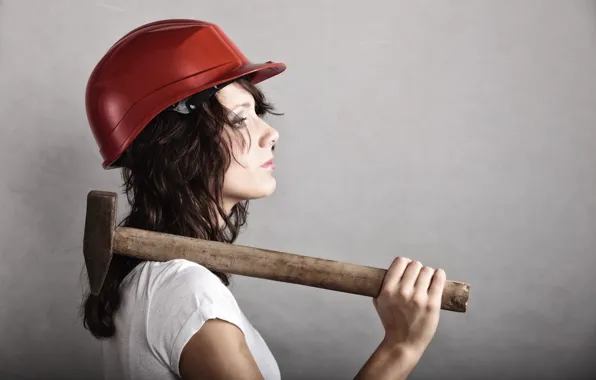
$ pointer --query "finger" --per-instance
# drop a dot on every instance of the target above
(435, 292)
(410, 274)
(423, 281)
(395, 272)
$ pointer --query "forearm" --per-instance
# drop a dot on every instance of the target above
(389, 363)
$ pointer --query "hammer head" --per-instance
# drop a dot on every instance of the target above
(98, 239)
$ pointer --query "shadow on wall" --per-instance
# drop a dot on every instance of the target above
(588, 355)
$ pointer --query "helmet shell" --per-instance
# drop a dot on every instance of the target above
(155, 66)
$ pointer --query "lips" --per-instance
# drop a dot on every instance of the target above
(268, 165)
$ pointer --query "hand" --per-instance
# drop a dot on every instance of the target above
(409, 304)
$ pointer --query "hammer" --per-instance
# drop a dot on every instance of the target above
(102, 238)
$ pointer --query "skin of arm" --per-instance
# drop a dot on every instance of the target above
(218, 351)
(389, 362)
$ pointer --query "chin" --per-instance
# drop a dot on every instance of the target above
(263, 190)
(266, 190)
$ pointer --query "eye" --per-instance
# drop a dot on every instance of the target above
(239, 122)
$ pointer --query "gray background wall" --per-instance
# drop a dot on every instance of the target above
(459, 133)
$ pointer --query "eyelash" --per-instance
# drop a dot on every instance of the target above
(240, 122)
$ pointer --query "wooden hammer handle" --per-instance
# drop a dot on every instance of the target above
(271, 265)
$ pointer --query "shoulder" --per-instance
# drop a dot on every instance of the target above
(182, 296)
(181, 277)
(178, 288)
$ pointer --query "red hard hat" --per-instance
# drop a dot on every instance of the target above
(155, 66)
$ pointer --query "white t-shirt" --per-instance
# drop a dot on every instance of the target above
(163, 305)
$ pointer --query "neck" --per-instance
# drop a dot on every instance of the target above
(228, 204)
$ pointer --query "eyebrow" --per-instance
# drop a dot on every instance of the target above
(244, 105)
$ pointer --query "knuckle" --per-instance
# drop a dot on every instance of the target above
(432, 307)
(388, 291)
(418, 302)
(401, 259)
(404, 294)
(440, 276)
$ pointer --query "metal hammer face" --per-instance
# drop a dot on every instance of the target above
(98, 239)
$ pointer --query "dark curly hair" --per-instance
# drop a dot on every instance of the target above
(173, 176)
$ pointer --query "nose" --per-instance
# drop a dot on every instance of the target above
(270, 136)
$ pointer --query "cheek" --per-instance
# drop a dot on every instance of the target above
(240, 147)
(245, 179)
(240, 171)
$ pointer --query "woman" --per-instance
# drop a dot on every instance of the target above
(174, 105)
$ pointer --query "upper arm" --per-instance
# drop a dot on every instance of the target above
(218, 350)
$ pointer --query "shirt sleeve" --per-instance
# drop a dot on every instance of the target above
(183, 298)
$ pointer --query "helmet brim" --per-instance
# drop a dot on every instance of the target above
(256, 73)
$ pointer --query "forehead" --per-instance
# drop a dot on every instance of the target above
(233, 95)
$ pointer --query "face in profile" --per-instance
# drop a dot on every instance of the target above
(250, 174)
